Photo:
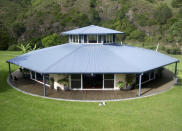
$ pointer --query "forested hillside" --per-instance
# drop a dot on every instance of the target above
(41, 21)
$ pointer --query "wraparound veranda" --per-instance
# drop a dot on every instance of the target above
(92, 60)
(91, 81)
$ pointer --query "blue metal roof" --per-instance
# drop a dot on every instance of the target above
(92, 58)
(92, 29)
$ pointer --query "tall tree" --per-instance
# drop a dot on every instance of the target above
(162, 14)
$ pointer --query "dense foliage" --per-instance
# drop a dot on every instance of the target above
(5, 38)
(176, 3)
(51, 40)
(40, 22)
(162, 14)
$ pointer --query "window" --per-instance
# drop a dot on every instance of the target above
(104, 37)
(114, 38)
(70, 38)
(80, 37)
(76, 38)
(108, 80)
(92, 38)
(33, 75)
(109, 39)
(76, 81)
(99, 38)
(85, 38)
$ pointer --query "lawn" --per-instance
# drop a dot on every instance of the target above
(19, 111)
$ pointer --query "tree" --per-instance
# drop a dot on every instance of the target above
(162, 14)
(51, 40)
(5, 37)
(176, 3)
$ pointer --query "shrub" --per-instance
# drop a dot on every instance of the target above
(120, 84)
(51, 40)
(13, 48)
(26, 47)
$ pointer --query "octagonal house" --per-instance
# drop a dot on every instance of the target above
(92, 60)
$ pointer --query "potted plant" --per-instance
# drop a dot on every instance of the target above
(130, 80)
(64, 82)
(51, 82)
(120, 84)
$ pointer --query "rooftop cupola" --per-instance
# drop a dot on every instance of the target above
(92, 35)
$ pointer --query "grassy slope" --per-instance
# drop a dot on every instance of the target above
(23, 112)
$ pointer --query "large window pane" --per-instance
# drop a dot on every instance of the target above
(92, 38)
(71, 38)
(108, 76)
(85, 38)
(108, 80)
(80, 38)
(76, 76)
(108, 83)
(114, 38)
(99, 38)
(76, 81)
(75, 84)
(104, 37)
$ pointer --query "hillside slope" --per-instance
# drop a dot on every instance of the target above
(145, 21)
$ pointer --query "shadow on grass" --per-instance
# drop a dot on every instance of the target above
(3, 81)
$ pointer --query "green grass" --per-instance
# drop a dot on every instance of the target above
(19, 111)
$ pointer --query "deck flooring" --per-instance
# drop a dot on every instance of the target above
(149, 88)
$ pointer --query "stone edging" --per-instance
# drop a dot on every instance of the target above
(123, 99)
